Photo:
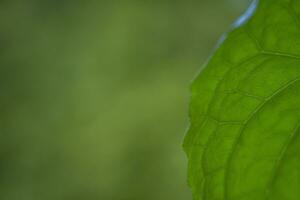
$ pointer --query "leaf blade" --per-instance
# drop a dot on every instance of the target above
(252, 77)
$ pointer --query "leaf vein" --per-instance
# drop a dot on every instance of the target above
(251, 116)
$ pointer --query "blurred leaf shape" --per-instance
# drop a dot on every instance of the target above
(243, 142)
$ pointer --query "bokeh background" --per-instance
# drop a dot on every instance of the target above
(94, 95)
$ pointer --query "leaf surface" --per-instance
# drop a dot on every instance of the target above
(244, 139)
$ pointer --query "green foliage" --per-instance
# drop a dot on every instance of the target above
(243, 142)
(85, 110)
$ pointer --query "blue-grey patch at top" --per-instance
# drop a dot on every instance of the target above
(247, 15)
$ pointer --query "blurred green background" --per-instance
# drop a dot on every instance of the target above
(94, 95)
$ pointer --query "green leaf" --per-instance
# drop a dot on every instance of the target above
(244, 139)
